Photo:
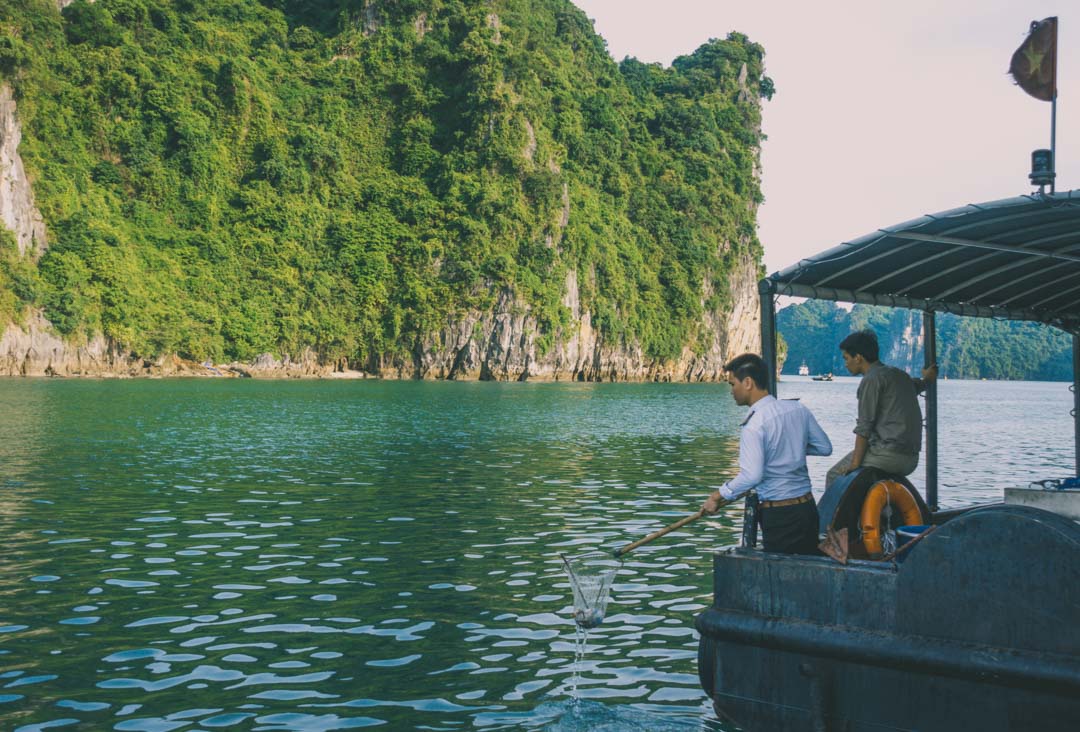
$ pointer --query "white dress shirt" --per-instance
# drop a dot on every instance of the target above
(776, 438)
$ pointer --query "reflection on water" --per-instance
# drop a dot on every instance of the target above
(283, 555)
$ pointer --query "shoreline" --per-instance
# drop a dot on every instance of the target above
(238, 372)
(337, 376)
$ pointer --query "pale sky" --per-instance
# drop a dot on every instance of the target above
(884, 111)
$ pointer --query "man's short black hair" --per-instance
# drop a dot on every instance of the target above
(752, 365)
(861, 343)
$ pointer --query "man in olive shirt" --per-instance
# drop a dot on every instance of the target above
(888, 431)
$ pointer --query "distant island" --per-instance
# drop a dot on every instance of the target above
(968, 348)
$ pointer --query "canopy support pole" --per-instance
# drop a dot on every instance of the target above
(1076, 399)
(929, 359)
(767, 288)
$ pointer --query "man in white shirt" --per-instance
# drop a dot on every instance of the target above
(776, 438)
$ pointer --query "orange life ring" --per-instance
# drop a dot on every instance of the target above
(881, 493)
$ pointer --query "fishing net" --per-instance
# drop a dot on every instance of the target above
(591, 576)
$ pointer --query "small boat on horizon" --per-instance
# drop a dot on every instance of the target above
(823, 377)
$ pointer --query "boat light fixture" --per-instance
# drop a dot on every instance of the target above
(1042, 168)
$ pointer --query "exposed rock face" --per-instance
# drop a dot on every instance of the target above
(905, 350)
(502, 345)
(530, 145)
(494, 23)
(744, 92)
(744, 329)
(307, 365)
(34, 350)
(17, 210)
(420, 25)
(371, 22)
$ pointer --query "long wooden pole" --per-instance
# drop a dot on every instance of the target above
(656, 535)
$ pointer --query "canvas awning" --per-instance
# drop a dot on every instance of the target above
(1017, 258)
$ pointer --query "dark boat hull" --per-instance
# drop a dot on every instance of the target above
(977, 630)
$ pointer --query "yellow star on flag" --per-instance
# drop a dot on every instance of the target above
(1034, 59)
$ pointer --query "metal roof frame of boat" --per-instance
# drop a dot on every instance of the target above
(1016, 259)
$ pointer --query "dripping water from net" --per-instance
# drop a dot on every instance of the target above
(590, 576)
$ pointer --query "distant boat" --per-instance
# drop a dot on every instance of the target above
(823, 377)
(804, 370)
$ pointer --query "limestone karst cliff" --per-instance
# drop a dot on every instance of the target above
(431, 189)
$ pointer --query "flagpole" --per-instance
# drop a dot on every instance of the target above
(1053, 139)
(1031, 63)
(1053, 112)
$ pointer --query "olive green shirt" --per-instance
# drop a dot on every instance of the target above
(889, 415)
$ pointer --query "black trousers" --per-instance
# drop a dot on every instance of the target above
(790, 529)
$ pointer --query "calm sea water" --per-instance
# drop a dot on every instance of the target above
(204, 555)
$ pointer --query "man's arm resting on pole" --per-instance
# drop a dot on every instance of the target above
(929, 376)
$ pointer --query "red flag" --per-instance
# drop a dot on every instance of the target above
(1034, 65)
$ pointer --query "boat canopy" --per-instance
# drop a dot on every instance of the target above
(1017, 259)
(1014, 259)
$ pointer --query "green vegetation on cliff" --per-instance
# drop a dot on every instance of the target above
(968, 348)
(223, 178)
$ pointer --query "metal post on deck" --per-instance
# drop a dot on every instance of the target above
(768, 330)
(929, 359)
(1053, 132)
(1076, 400)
